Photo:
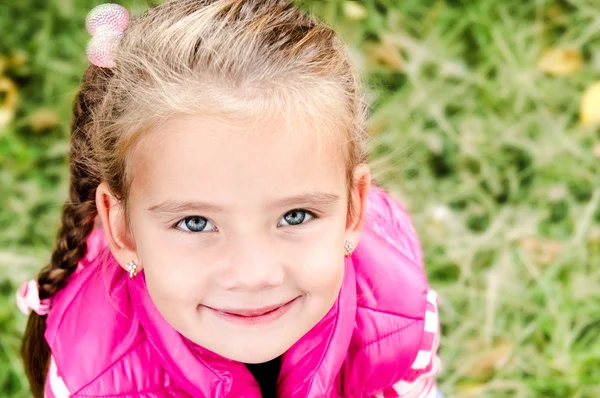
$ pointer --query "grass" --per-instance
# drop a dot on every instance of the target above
(483, 147)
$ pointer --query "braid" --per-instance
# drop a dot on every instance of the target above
(78, 216)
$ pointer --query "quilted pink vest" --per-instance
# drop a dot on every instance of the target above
(108, 339)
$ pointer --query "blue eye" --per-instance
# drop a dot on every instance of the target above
(296, 217)
(201, 224)
(195, 224)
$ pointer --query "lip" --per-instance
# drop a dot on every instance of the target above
(254, 316)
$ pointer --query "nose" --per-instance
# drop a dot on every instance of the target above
(251, 264)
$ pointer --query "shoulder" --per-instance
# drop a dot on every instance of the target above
(396, 309)
(420, 379)
(96, 342)
(119, 379)
(389, 265)
(401, 363)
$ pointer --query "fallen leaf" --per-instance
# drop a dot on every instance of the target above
(355, 10)
(19, 58)
(377, 125)
(469, 389)
(589, 108)
(43, 119)
(3, 63)
(561, 61)
(489, 360)
(7, 107)
(386, 52)
(541, 251)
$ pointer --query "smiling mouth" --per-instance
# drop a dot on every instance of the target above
(255, 315)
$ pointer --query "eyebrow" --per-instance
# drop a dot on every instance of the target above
(171, 206)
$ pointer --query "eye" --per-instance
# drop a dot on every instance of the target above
(296, 217)
(196, 224)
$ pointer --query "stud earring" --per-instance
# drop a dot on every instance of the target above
(132, 269)
(349, 246)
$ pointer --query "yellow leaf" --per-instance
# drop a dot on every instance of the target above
(488, 360)
(387, 52)
(469, 389)
(18, 59)
(589, 109)
(377, 124)
(43, 119)
(355, 10)
(7, 107)
(3, 63)
(561, 61)
(542, 251)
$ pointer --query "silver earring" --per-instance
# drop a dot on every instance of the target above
(132, 269)
(349, 246)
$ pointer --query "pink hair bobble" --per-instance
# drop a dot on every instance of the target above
(106, 23)
(28, 299)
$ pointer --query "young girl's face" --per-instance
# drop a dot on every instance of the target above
(240, 235)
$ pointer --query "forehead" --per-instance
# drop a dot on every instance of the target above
(234, 161)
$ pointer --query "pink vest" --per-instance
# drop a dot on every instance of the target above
(108, 339)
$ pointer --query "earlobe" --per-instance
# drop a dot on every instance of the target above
(112, 216)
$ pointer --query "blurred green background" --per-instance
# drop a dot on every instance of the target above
(484, 125)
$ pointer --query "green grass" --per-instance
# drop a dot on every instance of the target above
(483, 148)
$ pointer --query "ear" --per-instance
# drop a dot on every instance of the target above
(358, 199)
(118, 236)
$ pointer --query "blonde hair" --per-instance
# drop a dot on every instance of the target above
(250, 58)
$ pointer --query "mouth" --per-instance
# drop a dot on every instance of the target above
(253, 316)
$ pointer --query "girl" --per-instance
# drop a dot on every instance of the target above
(209, 246)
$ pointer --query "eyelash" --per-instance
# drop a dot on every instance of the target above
(314, 216)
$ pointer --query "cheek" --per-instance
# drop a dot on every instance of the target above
(172, 274)
(318, 268)
(172, 280)
(169, 288)
(173, 292)
(320, 271)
